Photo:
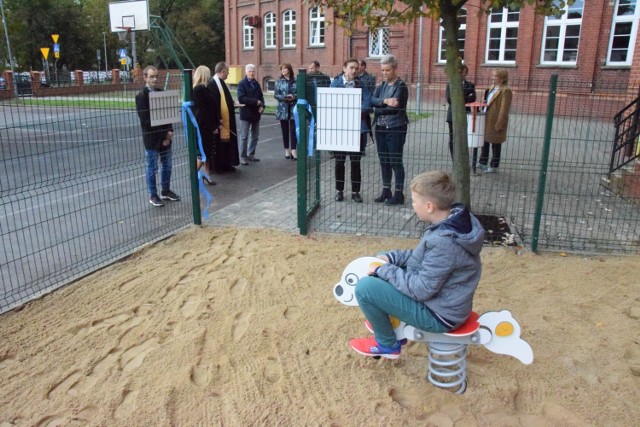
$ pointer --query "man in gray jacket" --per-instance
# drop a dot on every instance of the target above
(430, 287)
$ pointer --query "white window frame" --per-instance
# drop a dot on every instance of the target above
(270, 32)
(442, 50)
(562, 22)
(316, 26)
(504, 25)
(289, 28)
(379, 42)
(247, 34)
(624, 19)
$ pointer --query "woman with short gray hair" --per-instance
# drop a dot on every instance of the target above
(391, 121)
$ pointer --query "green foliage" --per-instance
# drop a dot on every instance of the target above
(198, 25)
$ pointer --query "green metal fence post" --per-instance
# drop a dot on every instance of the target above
(542, 179)
(191, 144)
(301, 84)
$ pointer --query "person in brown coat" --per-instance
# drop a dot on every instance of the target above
(498, 100)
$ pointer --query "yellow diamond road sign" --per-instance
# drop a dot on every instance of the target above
(45, 52)
(55, 37)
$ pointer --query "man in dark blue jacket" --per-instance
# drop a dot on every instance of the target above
(251, 100)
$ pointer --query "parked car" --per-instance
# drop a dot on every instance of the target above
(3, 83)
(23, 83)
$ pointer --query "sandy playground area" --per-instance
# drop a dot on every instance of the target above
(239, 327)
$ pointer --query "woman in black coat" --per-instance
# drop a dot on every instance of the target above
(204, 110)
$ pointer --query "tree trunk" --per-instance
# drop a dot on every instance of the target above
(461, 170)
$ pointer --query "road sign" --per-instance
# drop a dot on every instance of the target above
(56, 47)
(56, 55)
(45, 52)
(55, 37)
(123, 53)
(123, 61)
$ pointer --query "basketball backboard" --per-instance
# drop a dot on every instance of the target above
(129, 14)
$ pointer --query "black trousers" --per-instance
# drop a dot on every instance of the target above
(356, 174)
(496, 149)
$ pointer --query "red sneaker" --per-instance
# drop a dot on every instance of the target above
(367, 325)
(369, 347)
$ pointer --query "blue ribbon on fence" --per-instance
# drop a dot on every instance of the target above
(186, 111)
(312, 124)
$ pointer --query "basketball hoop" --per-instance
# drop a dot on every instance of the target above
(122, 34)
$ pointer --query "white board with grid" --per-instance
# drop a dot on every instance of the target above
(165, 107)
(338, 119)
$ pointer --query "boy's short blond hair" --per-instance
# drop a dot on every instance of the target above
(437, 187)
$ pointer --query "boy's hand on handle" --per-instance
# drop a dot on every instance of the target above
(374, 266)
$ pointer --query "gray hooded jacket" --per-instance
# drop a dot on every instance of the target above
(443, 271)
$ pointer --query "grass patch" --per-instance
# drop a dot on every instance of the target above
(112, 104)
(415, 116)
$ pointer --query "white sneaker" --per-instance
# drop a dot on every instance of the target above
(489, 170)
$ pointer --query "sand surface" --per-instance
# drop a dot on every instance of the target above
(239, 327)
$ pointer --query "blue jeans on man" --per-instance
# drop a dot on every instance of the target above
(249, 134)
(152, 157)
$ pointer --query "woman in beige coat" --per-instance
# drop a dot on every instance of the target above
(498, 100)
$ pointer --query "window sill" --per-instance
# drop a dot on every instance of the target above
(616, 67)
(316, 46)
(499, 64)
(567, 66)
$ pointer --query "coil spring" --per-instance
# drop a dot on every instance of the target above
(448, 366)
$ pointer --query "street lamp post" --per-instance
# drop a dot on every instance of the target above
(6, 33)
(104, 42)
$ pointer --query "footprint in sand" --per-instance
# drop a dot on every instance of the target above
(632, 356)
(134, 356)
(63, 386)
(127, 405)
(200, 375)
(292, 313)
(238, 287)
(406, 399)
(52, 421)
(88, 413)
(272, 371)
(190, 306)
(86, 383)
(240, 325)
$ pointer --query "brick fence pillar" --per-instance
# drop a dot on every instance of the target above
(79, 77)
(115, 76)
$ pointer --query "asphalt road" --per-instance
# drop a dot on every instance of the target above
(73, 193)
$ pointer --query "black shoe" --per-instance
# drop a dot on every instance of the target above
(356, 197)
(207, 181)
(397, 199)
(294, 158)
(287, 157)
(169, 195)
(339, 196)
(386, 194)
(155, 201)
(254, 159)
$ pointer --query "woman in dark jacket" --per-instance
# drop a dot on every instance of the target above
(390, 102)
(286, 95)
(204, 109)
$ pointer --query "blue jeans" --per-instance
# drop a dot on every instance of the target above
(152, 169)
(390, 144)
(378, 300)
(249, 134)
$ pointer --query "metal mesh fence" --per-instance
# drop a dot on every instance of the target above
(576, 208)
(73, 196)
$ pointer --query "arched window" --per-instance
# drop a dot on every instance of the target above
(289, 28)
(270, 30)
(247, 34)
(316, 26)
(379, 42)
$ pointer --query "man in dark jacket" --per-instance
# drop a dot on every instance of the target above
(157, 143)
(251, 101)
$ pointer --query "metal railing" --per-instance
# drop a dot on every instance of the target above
(625, 143)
